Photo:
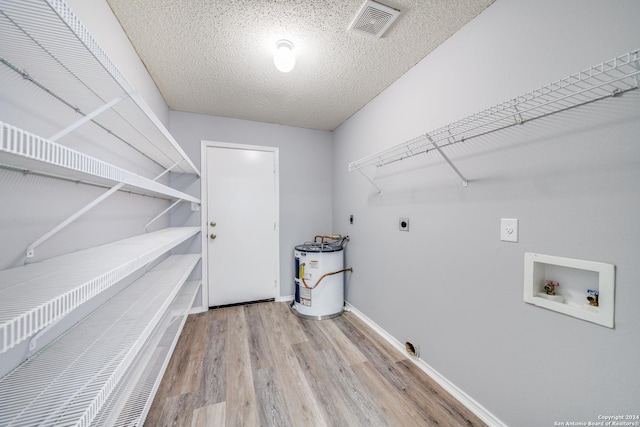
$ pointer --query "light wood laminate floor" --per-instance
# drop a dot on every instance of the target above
(260, 365)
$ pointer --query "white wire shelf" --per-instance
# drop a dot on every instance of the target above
(132, 399)
(25, 150)
(47, 46)
(610, 78)
(36, 295)
(71, 380)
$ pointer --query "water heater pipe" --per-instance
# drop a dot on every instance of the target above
(322, 277)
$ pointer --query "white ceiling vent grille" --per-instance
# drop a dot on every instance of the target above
(373, 19)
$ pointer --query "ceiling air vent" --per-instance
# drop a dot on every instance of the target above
(373, 19)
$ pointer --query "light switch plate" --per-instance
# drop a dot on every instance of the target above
(403, 224)
(509, 230)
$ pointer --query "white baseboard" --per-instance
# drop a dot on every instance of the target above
(196, 310)
(284, 298)
(479, 410)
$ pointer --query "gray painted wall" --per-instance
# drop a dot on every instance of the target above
(573, 180)
(305, 176)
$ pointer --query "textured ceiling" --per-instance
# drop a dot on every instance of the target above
(216, 56)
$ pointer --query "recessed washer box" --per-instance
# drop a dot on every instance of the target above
(575, 277)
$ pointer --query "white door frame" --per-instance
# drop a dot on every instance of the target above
(204, 214)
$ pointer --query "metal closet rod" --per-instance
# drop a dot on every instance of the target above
(26, 76)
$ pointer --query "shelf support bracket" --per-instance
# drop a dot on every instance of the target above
(31, 248)
(30, 252)
(85, 119)
(636, 65)
(176, 203)
(465, 182)
(370, 181)
(167, 170)
(518, 116)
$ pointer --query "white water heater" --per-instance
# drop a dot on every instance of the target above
(319, 279)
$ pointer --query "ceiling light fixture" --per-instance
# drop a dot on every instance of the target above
(284, 58)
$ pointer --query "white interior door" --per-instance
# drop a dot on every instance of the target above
(242, 202)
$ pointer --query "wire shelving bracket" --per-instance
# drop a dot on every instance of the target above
(30, 252)
(608, 79)
(161, 214)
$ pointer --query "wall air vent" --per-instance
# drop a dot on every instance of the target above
(373, 19)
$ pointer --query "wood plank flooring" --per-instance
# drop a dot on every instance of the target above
(260, 365)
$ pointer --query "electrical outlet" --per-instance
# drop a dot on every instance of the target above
(403, 224)
(509, 230)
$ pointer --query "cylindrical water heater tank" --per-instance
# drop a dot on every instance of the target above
(319, 290)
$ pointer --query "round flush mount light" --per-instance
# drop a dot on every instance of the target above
(284, 58)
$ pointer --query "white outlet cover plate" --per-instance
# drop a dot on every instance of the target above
(509, 230)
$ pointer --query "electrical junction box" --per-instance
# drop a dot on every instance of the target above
(509, 230)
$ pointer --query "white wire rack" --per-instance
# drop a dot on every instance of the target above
(19, 148)
(131, 400)
(46, 45)
(58, 82)
(70, 381)
(35, 295)
(610, 78)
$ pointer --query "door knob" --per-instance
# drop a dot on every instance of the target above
(212, 224)
(213, 236)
